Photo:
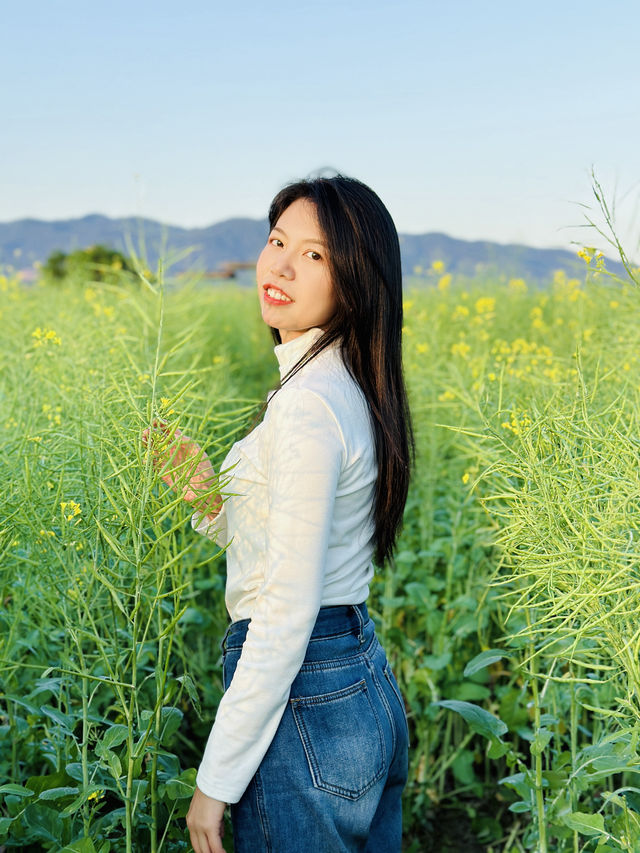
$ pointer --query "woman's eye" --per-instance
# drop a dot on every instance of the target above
(276, 242)
(314, 256)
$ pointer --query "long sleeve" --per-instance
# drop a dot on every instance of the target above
(215, 530)
(305, 455)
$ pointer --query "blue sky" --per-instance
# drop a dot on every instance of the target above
(482, 120)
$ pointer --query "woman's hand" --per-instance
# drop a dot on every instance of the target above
(186, 469)
(206, 824)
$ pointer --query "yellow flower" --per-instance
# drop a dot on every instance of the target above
(614, 304)
(444, 282)
(446, 396)
(422, 348)
(461, 348)
(438, 266)
(45, 336)
(459, 312)
(73, 510)
(517, 285)
(165, 402)
(465, 477)
(485, 305)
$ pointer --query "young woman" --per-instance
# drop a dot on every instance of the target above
(309, 744)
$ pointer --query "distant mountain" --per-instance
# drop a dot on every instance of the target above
(240, 240)
(35, 239)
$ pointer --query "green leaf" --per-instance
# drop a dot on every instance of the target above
(138, 789)
(469, 691)
(187, 682)
(65, 721)
(38, 784)
(520, 782)
(585, 824)
(540, 741)
(613, 764)
(497, 748)
(436, 662)
(82, 845)
(170, 719)
(484, 659)
(44, 823)
(481, 721)
(182, 786)
(16, 790)
(114, 765)
(520, 807)
(5, 823)
(462, 767)
(114, 736)
(58, 793)
(80, 800)
(177, 789)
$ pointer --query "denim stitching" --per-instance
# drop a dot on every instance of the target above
(320, 637)
(262, 812)
(318, 782)
(240, 627)
(387, 707)
(357, 612)
(339, 662)
(387, 670)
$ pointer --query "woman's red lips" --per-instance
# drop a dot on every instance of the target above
(275, 300)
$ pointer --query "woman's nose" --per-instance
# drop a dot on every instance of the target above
(281, 266)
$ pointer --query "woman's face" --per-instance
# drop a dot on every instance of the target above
(294, 282)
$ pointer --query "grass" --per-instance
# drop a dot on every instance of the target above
(509, 612)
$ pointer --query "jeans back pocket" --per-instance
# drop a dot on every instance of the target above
(342, 739)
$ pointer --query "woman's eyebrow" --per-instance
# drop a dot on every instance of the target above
(307, 240)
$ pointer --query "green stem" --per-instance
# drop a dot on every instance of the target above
(542, 830)
(574, 756)
(158, 731)
(85, 746)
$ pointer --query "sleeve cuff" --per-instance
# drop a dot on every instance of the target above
(212, 790)
(215, 530)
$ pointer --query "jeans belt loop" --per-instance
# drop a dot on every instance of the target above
(358, 613)
(224, 639)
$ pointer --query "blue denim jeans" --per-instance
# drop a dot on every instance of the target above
(332, 779)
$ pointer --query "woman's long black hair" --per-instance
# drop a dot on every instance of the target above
(364, 261)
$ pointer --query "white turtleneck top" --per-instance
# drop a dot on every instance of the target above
(298, 514)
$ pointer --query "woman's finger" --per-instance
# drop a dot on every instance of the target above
(215, 843)
(205, 845)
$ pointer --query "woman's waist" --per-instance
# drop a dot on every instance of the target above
(343, 629)
(340, 587)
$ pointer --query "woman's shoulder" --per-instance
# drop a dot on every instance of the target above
(323, 390)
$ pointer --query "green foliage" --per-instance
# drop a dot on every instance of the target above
(509, 613)
(96, 263)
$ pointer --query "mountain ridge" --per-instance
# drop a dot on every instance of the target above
(26, 241)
